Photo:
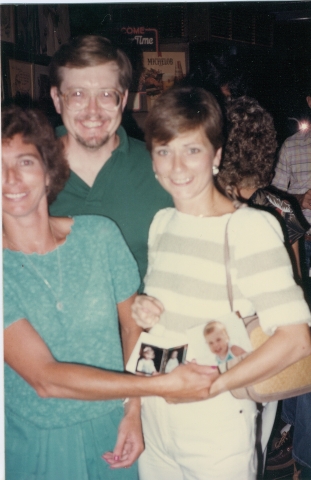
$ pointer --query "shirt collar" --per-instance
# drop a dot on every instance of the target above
(124, 142)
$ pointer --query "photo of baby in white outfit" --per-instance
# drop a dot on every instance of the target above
(218, 341)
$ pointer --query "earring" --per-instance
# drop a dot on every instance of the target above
(156, 176)
(215, 170)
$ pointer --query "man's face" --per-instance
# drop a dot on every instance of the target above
(93, 126)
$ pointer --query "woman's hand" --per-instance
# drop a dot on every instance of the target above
(130, 442)
(146, 311)
(190, 383)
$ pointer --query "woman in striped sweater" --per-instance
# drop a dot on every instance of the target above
(186, 285)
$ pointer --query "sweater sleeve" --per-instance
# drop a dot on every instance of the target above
(264, 272)
(160, 221)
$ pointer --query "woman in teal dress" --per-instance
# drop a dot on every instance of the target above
(68, 288)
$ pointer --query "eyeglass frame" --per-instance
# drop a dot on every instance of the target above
(65, 96)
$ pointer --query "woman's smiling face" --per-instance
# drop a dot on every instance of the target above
(24, 179)
(184, 167)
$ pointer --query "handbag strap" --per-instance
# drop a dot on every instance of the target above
(227, 267)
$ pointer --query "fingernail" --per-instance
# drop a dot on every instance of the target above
(116, 457)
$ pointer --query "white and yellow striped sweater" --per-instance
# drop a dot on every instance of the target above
(186, 269)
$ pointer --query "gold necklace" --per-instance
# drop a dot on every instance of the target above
(59, 304)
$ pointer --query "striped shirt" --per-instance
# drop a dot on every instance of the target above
(293, 170)
(186, 270)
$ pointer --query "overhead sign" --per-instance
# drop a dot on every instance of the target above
(147, 38)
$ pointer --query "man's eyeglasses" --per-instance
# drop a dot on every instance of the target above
(79, 98)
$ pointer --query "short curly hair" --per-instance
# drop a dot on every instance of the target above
(180, 109)
(250, 149)
(35, 129)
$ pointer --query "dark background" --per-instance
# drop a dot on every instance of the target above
(269, 41)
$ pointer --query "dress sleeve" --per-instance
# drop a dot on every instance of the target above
(123, 267)
(13, 306)
(281, 204)
(264, 272)
(294, 226)
(282, 170)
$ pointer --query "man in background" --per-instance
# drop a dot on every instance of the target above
(293, 175)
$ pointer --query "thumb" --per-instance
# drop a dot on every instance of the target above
(209, 369)
(119, 446)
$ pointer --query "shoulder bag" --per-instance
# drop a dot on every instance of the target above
(292, 381)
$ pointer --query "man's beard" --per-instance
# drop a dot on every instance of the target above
(93, 143)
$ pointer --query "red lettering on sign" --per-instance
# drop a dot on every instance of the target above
(133, 30)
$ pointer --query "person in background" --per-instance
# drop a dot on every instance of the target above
(293, 175)
(68, 287)
(224, 75)
(110, 173)
(187, 277)
(246, 171)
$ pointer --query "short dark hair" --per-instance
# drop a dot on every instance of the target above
(184, 108)
(249, 152)
(35, 129)
(88, 51)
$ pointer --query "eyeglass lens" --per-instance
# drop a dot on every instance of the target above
(106, 98)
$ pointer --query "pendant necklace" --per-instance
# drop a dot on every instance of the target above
(59, 304)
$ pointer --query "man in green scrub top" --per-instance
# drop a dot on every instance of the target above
(111, 173)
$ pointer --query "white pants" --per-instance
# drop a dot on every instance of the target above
(210, 440)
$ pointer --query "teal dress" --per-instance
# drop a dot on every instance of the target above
(76, 315)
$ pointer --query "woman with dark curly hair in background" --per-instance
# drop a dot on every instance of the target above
(247, 168)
